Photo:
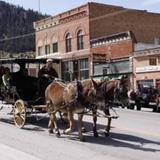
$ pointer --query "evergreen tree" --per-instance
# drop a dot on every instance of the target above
(15, 21)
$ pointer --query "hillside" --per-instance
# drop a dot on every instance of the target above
(15, 21)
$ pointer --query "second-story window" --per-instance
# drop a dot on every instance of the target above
(55, 47)
(153, 61)
(40, 50)
(80, 40)
(68, 43)
(47, 49)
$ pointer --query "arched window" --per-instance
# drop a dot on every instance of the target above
(68, 43)
(80, 40)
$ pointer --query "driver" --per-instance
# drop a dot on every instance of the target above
(48, 69)
(45, 76)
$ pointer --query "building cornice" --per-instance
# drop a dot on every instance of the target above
(110, 39)
(147, 52)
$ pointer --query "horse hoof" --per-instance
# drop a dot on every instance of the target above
(106, 134)
(83, 139)
(50, 131)
(83, 130)
(96, 135)
(67, 131)
(58, 134)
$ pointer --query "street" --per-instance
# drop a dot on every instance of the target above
(135, 135)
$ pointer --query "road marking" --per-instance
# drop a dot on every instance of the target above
(9, 153)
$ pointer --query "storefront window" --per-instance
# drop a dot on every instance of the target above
(84, 69)
(77, 69)
(146, 83)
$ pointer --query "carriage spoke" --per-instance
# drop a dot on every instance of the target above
(19, 120)
(19, 114)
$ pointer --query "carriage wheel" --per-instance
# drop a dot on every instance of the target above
(19, 113)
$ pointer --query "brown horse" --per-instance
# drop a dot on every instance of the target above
(109, 91)
(70, 98)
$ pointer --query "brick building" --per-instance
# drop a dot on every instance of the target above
(146, 67)
(116, 49)
(70, 36)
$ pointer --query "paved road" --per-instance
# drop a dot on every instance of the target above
(135, 135)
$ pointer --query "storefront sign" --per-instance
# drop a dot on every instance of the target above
(99, 57)
(147, 69)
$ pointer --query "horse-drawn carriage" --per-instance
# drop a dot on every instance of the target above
(23, 93)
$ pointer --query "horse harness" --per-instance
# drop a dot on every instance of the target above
(78, 98)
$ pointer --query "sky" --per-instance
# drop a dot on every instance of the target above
(53, 7)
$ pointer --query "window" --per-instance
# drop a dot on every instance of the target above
(79, 40)
(66, 74)
(84, 69)
(68, 43)
(47, 49)
(40, 51)
(153, 61)
(55, 47)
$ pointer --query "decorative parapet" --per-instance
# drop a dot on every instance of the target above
(73, 17)
(110, 39)
(62, 18)
(46, 23)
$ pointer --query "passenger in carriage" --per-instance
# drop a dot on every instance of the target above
(45, 76)
(2, 72)
(6, 78)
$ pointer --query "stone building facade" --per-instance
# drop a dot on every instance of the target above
(69, 36)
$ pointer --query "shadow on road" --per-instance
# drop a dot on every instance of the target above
(125, 140)
(115, 139)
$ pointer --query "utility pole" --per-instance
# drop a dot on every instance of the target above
(39, 6)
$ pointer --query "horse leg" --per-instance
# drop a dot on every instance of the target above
(71, 123)
(94, 113)
(62, 117)
(56, 130)
(80, 125)
(107, 130)
(50, 124)
(107, 112)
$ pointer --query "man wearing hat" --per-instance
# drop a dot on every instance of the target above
(48, 70)
(46, 74)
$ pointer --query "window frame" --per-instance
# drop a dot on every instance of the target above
(80, 40)
(40, 50)
(152, 61)
(68, 42)
(47, 48)
(55, 48)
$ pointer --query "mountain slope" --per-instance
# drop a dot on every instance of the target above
(15, 21)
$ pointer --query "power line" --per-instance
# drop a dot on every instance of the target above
(17, 37)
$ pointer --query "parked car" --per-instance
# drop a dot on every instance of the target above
(147, 97)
